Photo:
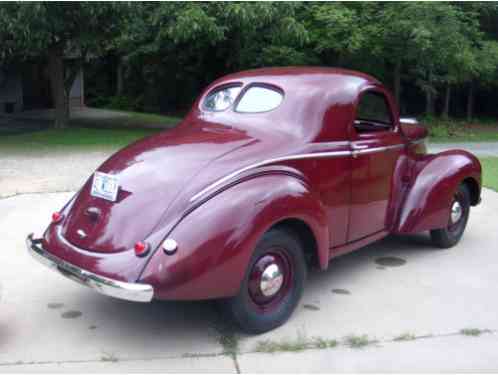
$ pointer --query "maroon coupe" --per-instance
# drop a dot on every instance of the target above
(272, 172)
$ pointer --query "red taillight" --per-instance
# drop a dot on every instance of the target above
(56, 217)
(141, 248)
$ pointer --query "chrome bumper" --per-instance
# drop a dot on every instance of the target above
(128, 291)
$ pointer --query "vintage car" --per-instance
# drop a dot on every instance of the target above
(272, 172)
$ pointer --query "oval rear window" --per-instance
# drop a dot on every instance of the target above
(221, 99)
(259, 99)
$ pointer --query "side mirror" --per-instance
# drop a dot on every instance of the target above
(412, 129)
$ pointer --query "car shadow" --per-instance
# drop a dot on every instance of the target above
(170, 321)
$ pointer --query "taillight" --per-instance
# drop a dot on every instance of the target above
(57, 217)
(141, 248)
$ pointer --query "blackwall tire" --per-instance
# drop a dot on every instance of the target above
(459, 214)
(273, 283)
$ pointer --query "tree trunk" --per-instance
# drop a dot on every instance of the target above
(56, 69)
(397, 81)
(119, 77)
(447, 96)
(470, 102)
(429, 103)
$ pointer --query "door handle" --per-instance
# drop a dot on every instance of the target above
(357, 149)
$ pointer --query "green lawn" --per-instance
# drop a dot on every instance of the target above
(490, 172)
(454, 130)
(75, 137)
(91, 133)
(134, 120)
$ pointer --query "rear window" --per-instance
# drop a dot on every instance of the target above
(259, 99)
(220, 99)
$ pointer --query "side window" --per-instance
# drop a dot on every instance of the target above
(373, 113)
(259, 99)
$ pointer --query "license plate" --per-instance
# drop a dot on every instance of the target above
(105, 186)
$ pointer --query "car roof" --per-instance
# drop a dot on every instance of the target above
(299, 73)
(319, 101)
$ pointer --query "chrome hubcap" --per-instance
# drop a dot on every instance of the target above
(271, 280)
(456, 212)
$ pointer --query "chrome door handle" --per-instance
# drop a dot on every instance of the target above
(359, 147)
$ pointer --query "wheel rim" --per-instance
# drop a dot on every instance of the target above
(458, 212)
(270, 279)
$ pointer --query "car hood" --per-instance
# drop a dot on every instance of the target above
(157, 177)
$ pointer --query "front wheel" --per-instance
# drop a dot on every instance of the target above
(459, 214)
(272, 285)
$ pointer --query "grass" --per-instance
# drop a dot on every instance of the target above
(405, 337)
(230, 342)
(294, 345)
(268, 346)
(358, 342)
(321, 343)
(490, 172)
(473, 331)
(108, 357)
(457, 130)
(75, 137)
(87, 133)
(133, 120)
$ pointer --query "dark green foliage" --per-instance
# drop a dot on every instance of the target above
(438, 58)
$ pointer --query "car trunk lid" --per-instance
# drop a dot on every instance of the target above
(151, 173)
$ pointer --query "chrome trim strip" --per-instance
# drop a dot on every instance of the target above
(128, 291)
(325, 154)
(418, 141)
(269, 161)
(377, 149)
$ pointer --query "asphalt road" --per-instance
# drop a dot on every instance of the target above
(400, 288)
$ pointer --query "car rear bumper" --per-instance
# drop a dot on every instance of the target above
(128, 291)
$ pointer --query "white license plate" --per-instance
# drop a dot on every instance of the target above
(105, 186)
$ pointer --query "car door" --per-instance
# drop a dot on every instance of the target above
(376, 146)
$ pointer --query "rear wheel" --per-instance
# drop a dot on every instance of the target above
(272, 285)
(459, 215)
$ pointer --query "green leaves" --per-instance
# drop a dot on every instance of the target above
(183, 45)
(30, 29)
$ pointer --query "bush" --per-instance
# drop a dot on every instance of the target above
(122, 102)
(439, 131)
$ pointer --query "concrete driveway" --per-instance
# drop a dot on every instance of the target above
(398, 305)
(41, 170)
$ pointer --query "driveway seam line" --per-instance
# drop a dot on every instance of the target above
(230, 355)
(374, 343)
(185, 355)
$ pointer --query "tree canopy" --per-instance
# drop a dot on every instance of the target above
(62, 34)
(158, 56)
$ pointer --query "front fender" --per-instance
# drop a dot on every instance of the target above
(436, 178)
(216, 240)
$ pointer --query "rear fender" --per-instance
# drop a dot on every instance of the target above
(436, 178)
(216, 240)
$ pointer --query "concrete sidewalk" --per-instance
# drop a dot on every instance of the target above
(477, 148)
(401, 288)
